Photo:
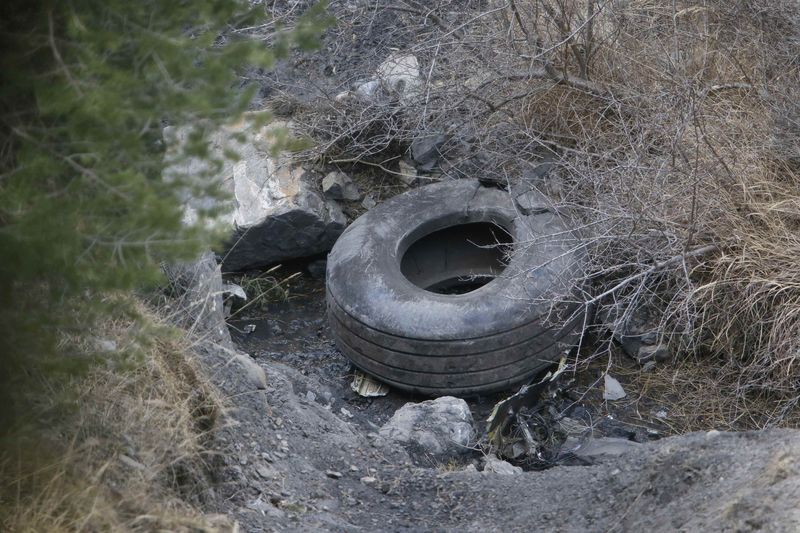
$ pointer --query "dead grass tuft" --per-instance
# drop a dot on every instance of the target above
(122, 448)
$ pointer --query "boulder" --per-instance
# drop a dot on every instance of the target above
(440, 428)
(273, 213)
(339, 186)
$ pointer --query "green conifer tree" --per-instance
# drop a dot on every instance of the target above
(86, 87)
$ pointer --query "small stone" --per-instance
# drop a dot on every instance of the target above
(658, 353)
(263, 471)
(338, 186)
(249, 328)
(333, 474)
(408, 174)
(353, 468)
(368, 202)
(311, 396)
(368, 480)
(613, 390)
(503, 468)
(346, 413)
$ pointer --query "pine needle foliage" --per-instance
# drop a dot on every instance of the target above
(86, 87)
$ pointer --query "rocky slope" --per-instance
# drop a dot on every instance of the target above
(306, 453)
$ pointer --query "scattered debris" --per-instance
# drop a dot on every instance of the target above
(520, 427)
(106, 345)
(232, 290)
(249, 328)
(346, 413)
(399, 74)
(367, 386)
(132, 463)
(613, 390)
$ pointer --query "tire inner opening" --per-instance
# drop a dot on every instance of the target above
(458, 259)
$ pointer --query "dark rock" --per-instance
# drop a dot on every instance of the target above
(425, 151)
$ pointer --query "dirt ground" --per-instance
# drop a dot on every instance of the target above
(303, 454)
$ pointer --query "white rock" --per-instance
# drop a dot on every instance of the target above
(613, 390)
(440, 427)
(503, 468)
(399, 73)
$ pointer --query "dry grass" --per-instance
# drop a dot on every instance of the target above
(119, 449)
(697, 395)
(673, 128)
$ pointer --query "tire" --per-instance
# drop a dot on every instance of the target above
(447, 290)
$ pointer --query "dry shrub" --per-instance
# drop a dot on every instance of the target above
(122, 448)
(672, 129)
(685, 163)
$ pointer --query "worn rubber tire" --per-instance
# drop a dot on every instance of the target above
(486, 340)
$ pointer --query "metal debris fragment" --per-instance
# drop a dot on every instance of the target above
(367, 386)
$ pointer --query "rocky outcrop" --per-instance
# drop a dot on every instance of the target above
(274, 211)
